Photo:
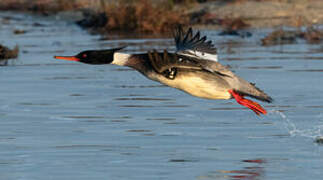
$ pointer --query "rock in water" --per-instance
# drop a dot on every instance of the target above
(319, 140)
(6, 53)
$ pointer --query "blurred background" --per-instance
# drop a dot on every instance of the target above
(68, 120)
(158, 16)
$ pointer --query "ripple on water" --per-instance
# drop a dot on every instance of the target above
(143, 99)
(83, 118)
(141, 128)
(161, 119)
(103, 147)
(67, 78)
(77, 95)
(141, 86)
(183, 160)
(175, 106)
(35, 104)
(306, 70)
(137, 106)
(264, 67)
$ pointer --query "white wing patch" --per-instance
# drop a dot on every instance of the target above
(199, 55)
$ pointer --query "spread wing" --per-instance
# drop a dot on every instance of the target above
(194, 46)
(165, 61)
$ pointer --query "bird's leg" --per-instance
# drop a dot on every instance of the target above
(255, 107)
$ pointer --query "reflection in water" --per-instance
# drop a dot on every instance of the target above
(83, 129)
(254, 172)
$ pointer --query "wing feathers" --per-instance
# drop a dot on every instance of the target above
(165, 61)
(187, 42)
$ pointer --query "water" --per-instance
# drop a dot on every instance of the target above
(64, 120)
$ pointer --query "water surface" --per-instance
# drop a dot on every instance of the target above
(65, 120)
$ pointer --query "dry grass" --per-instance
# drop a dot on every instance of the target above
(41, 6)
(143, 16)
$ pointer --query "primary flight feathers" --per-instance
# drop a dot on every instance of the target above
(194, 46)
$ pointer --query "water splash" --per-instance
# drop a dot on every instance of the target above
(293, 130)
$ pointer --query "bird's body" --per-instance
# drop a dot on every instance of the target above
(190, 77)
(194, 81)
(197, 83)
(193, 68)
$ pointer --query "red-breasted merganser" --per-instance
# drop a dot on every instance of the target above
(193, 68)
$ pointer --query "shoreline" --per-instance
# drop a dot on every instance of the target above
(142, 18)
(214, 14)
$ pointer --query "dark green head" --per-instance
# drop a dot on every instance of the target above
(92, 56)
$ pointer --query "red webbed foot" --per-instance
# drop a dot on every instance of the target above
(255, 107)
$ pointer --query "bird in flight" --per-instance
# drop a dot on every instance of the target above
(192, 68)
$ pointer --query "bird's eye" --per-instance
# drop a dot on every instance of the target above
(84, 55)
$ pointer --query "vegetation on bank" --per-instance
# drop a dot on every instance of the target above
(160, 16)
(144, 16)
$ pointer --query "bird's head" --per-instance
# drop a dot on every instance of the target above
(92, 56)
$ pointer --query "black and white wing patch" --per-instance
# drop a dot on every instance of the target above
(194, 46)
(167, 63)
